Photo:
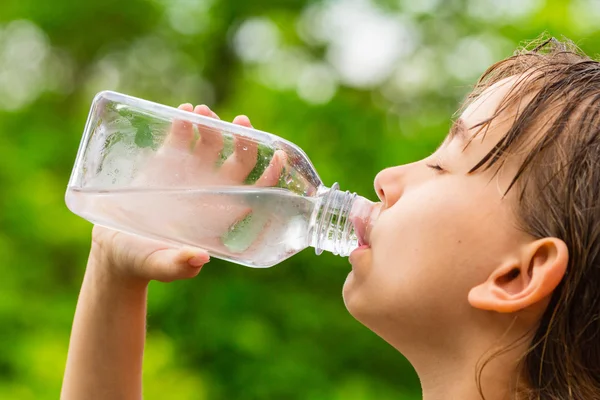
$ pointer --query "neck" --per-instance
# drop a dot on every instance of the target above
(468, 369)
(447, 381)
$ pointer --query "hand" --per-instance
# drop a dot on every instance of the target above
(181, 162)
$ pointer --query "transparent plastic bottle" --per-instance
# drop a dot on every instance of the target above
(243, 195)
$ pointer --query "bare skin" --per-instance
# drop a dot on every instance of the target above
(448, 276)
(108, 335)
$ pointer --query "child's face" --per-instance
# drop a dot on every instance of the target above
(440, 234)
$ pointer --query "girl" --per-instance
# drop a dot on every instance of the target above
(493, 289)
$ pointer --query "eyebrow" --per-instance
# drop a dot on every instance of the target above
(458, 130)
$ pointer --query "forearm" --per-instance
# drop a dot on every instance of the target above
(107, 340)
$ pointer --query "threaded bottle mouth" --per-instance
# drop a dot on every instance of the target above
(343, 222)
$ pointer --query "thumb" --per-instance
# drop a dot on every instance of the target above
(167, 265)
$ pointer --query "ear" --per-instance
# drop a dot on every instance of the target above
(519, 284)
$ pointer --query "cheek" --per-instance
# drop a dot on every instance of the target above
(423, 232)
(427, 243)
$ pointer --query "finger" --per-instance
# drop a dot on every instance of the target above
(271, 174)
(210, 144)
(203, 109)
(167, 265)
(182, 132)
(243, 159)
(242, 120)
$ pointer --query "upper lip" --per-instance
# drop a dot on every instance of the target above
(375, 212)
(359, 228)
(363, 227)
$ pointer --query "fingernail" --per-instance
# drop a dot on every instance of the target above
(199, 260)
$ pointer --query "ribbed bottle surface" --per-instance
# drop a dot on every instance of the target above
(341, 222)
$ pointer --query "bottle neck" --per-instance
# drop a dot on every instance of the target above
(341, 222)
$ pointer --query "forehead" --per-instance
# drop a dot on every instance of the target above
(489, 118)
(488, 102)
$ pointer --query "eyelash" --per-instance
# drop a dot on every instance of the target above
(436, 167)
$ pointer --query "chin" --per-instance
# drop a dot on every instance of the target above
(357, 282)
(348, 291)
(354, 298)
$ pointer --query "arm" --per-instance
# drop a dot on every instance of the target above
(108, 335)
(107, 340)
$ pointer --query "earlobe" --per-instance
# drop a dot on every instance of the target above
(525, 281)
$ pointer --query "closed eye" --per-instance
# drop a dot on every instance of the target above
(436, 167)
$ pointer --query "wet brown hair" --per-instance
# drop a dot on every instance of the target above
(556, 133)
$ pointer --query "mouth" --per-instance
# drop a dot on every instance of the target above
(356, 252)
(363, 225)
(360, 229)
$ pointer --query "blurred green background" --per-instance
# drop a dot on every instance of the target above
(360, 85)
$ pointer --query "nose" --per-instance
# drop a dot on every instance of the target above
(389, 185)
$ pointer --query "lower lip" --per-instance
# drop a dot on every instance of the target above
(360, 248)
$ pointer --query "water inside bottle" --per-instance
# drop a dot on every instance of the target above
(256, 227)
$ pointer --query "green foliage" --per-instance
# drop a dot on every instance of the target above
(233, 332)
(243, 233)
(144, 126)
(263, 158)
